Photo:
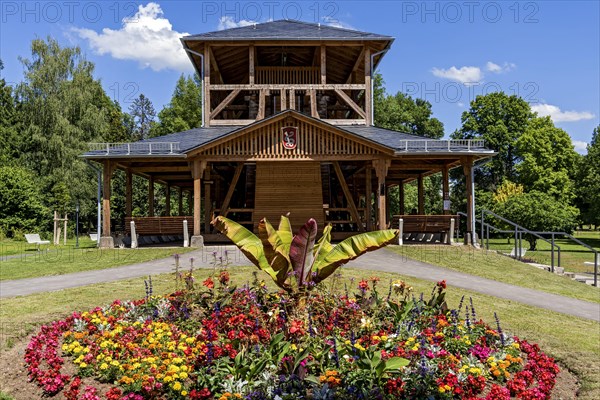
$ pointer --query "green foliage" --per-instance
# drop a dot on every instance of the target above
(500, 120)
(402, 113)
(8, 123)
(588, 181)
(297, 263)
(22, 207)
(548, 159)
(142, 113)
(184, 112)
(538, 211)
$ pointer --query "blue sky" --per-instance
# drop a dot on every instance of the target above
(447, 52)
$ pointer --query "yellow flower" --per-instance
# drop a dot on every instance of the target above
(103, 366)
(177, 386)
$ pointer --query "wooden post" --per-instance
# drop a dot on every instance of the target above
(65, 232)
(368, 197)
(368, 93)
(151, 196)
(55, 233)
(445, 191)
(421, 194)
(180, 200)
(467, 163)
(207, 85)
(381, 169)
(207, 201)
(323, 65)
(283, 99)
(232, 185)
(197, 171)
(128, 192)
(167, 200)
(251, 64)
(401, 198)
(106, 241)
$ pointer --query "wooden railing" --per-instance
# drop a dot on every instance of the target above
(287, 75)
(158, 225)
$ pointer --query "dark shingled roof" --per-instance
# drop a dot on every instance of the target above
(193, 138)
(287, 30)
(385, 137)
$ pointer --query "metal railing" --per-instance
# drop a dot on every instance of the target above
(149, 148)
(434, 145)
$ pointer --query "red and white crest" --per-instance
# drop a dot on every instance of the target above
(289, 137)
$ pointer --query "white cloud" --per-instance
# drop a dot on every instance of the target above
(147, 37)
(557, 115)
(227, 22)
(580, 146)
(336, 23)
(465, 75)
(497, 69)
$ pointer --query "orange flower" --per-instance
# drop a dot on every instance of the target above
(208, 282)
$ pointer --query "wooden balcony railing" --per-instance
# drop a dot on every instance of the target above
(287, 75)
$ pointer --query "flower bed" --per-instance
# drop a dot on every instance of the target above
(219, 342)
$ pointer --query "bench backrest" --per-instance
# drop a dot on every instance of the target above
(424, 223)
(33, 237)
(157, 225)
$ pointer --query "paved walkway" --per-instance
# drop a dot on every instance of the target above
(381, 260)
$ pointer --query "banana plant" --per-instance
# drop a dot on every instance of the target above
(296, 263)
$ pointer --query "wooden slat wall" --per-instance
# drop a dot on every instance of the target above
(282, 187)
(265, 143)
(287, 75)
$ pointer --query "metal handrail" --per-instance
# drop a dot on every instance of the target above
(136, 148)
(428, 145)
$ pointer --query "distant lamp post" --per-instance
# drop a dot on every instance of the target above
(77, 225)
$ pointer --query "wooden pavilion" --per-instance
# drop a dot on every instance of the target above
(288, 127)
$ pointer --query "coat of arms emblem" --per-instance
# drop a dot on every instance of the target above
(289, 137)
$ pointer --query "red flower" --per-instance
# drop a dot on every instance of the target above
(224, 277)
(363, 285)
(442, 284)
(297, 327)
(208, 282)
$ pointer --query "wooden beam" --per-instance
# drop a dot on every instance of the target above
(232, 185)
(421, 196)
(368, 196)
(106, 192)
(198, 167)
(128, 192)
(445, 189)
(213, 62)
(368, 94)
(207, 87)
(167, 200)
(158, 168)
(293, 99)
(283, 99)
(225, 103)
(251, 53)
(207, 201)
(313, 104)
(279, 86)
(381, 169)
(323, 64)
(351, 103)
(261, 104)
(467, 163)
(348, 195)
(359, 61)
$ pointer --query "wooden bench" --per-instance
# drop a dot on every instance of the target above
(424, 226)
(34, 238)
(158, 226)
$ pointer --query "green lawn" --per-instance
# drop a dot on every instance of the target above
(572, 255)
(9, 247)
(572, 341)
(491, 265)
(67, 259)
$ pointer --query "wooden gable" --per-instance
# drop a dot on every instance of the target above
(315, 141)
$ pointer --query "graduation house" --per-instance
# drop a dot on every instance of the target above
(287, 128)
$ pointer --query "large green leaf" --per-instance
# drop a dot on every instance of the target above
(349, 249)
(246, 241)
(324, 245)
(301, 250)
(285, 234)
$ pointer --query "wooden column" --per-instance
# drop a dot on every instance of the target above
(421, 195)
(368, 197)
(180, 201)
(106, 239)
(232, 185)
(207, 85)
(128, 192)
(467, 163)
(323, 65)
(197, 171)
(401, 198)
(381, 169)
(207, 202)
(151, 196)
(445, 190)
(368, 94)
(167, 200)
(251, 64)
